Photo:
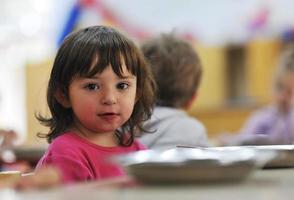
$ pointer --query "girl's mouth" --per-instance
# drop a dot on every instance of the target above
(107, 113)
(109, 116)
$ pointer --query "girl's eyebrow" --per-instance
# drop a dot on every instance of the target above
(128, 77)
(123, 77)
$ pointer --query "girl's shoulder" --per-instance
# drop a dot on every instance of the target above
(64, 138)
(65, 141)
(69, 140)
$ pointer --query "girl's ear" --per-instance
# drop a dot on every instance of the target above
(62, 99)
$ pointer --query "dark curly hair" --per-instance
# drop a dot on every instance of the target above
(176, 67)
(75, 59)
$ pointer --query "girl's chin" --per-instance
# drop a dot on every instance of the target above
(106, 130)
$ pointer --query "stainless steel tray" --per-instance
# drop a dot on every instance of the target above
(187, 165)
(284, 154)
(284, 158)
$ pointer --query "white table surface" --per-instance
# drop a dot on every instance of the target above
(263, 185)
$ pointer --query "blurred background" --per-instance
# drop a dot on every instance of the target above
(238, 41)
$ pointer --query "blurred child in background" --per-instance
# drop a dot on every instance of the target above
(273, 124)
(177, 70)
(7, 138)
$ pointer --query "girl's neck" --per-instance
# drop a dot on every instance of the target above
(100, 139)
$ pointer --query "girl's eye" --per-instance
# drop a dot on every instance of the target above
(122, 86)
(92, 86)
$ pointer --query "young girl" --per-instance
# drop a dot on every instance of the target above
(100, 92)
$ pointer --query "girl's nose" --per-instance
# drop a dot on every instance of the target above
(109, 98)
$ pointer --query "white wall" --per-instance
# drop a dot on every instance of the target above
(12, 100)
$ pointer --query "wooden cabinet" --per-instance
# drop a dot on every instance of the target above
(37, 76)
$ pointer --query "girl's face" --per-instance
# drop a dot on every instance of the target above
(285, 91)
(102, 103)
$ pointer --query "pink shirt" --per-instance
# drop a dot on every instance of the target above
(80, 160)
